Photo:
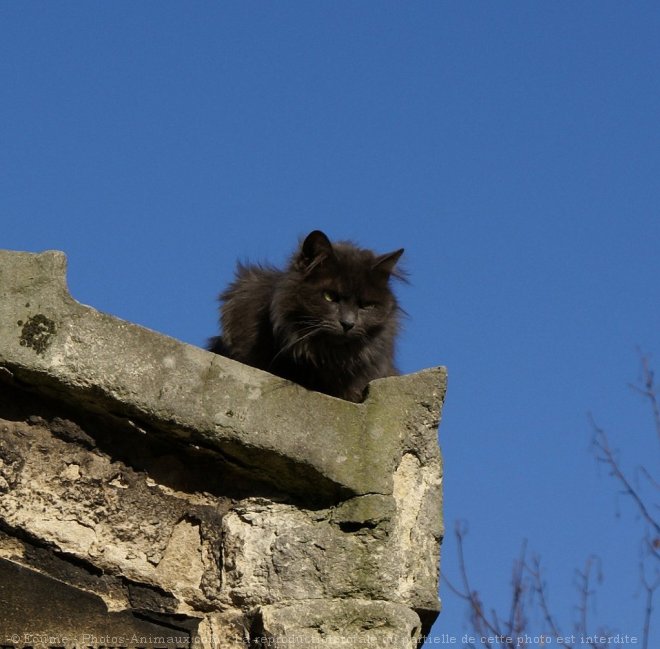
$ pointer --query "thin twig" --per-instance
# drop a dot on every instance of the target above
(479, 619)
(482, 625)
(648, 389)
(648, 607)
(516, 614)
(601, 442)
(539, 587)
(583, 586)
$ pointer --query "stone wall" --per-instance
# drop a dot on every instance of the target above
(153, 494)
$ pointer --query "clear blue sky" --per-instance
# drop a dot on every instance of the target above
(512, 148)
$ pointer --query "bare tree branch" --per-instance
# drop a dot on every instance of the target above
(647, 617)
(492, 631)
(583, 585)
(477, 617)
(648, 390)
(517, 619)
(540, 589)
(605, 454)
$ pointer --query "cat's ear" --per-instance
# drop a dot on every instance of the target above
(386, 263)
(316, 249)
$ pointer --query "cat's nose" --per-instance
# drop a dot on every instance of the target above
(347, 325)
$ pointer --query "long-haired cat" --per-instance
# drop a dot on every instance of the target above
(328, 321)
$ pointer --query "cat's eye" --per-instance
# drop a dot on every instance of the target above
(329, 296)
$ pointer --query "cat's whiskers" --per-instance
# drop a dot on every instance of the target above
(309, 330)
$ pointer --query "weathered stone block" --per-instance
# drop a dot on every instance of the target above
(336, 623)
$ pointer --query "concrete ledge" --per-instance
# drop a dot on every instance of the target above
(295, 439)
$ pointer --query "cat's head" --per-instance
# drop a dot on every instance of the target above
(342, 292)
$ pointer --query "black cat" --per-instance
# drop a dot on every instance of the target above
(328, 322)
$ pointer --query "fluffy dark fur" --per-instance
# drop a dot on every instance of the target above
(328, 321)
